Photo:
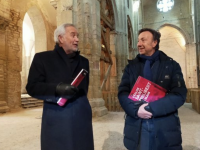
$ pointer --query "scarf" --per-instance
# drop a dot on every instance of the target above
(149, 60)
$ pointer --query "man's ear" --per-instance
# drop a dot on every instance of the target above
(155, 43)
(60, 38)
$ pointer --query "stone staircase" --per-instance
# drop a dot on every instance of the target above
(27, 101)
(3, 107)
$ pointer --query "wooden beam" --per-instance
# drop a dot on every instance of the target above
(107, 21)
(106, 76)
(104, 50)
(106, 46)
(105, 59)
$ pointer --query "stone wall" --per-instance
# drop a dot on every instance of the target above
(180, 18)
(11, 20)
(3, 72)
(5, 9)
(13, 44)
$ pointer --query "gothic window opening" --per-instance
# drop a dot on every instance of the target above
(165, 5)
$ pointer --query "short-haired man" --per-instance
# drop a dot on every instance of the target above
(68, 127)
(154, 125)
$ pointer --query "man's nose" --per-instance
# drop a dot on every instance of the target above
(139, 43)
(76, 39)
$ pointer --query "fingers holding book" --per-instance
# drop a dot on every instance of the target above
(144, 114)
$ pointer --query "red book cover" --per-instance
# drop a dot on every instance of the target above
(146, 90)
(79, 78)
(75, 83)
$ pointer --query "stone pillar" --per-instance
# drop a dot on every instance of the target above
(64, 11)
(4, 22)
(3, 71)
(122, 51)
(13, 52)
(87, 20)
(191, 80)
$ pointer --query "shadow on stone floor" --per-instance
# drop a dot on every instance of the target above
(114, 141)
(190, 147)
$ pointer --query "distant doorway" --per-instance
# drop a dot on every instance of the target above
(28, 49)
(34, 40)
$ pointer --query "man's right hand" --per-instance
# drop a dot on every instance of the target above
(63, 90)
(142, 113)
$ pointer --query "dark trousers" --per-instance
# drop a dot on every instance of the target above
(147, 135)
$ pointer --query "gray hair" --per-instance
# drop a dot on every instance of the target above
(61, 31)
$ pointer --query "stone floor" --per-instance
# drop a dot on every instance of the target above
(20, 130)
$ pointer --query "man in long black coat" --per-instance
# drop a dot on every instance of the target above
(67, 127)
(154, 125)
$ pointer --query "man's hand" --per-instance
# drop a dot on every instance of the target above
(63, 90)
(142, 113)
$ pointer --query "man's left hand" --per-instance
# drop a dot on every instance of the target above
(142, 113)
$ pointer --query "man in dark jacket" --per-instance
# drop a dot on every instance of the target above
(67, 127)
(154, 125)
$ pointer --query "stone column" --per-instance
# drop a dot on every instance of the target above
(122, 51)
(87, 20)
(191, 55)
(64, 11)
(13, 54)
(3, 71)
(4, 22)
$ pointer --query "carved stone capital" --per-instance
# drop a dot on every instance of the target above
(53, 3)
(3, 23)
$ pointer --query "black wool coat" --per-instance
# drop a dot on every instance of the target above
(68, 127)
(164, 110)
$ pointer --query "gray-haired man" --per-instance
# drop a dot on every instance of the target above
(68, 127)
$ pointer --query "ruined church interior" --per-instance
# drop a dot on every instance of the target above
(108, 35)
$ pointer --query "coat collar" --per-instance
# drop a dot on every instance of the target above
(136, 69)
(71, 61)
(162, 55)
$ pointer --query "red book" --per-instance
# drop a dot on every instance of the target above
(146, 90)
(75, 83)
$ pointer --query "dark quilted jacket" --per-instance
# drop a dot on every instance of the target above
(165, 110)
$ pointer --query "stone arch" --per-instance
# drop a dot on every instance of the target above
(40, 42)
(173, 43)
(39, 29)
(186, 36)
